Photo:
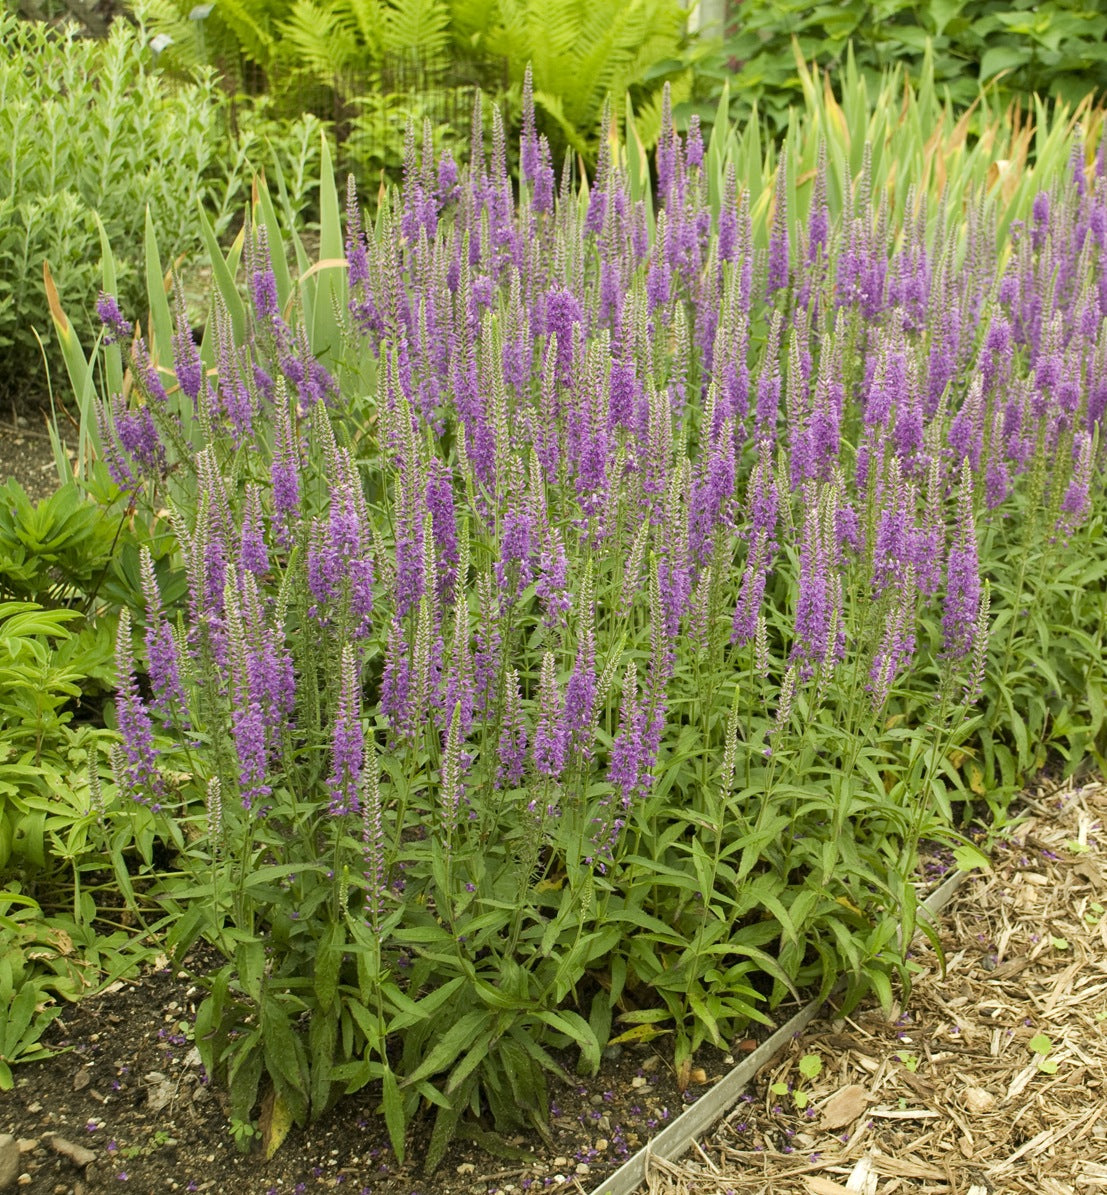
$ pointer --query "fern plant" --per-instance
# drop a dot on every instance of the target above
(369, 65)
(581, 52)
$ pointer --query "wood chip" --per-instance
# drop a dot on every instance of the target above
(844, 1107)
(950, 1099)
(824, 1186)
(978, 1100)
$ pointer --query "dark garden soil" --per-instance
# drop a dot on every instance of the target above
(26, 453)
(123, 1105)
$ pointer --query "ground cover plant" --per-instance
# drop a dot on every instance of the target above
(589, 610)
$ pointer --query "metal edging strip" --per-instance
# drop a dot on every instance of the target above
(677, 1137)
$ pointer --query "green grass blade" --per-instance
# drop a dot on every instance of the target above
(161, 321)
(330, 275)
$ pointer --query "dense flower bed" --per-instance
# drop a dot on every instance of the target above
(582, 643)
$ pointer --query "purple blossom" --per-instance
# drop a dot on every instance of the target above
(252, 553)
(186, 355)
(397, 684)
(819, 600)
(140, 772)
(897, 642)
(347, 741)
(580, 693)
(549, 744)
(626, 763)
(513, 737)
(1077, 501)
(135, 448)
(116, 329)
(778, 236)
(962, 604)
(263, 282)
(161, 647)
(285, 475)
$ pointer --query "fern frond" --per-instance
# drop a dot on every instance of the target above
(368, 20)
(316, 43)
(419, 27)
(252, 25)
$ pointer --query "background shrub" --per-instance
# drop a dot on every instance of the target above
(1057, 49)
(368, 66)
(90, 128)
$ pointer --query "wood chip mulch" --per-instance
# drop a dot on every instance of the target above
(994, 1077)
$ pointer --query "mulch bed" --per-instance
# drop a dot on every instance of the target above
(950, 1097)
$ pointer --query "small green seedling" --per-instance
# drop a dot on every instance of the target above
(1060, 943)
(1042, 1045)
(910, 1061)
(1094, 915)
(810, 1067)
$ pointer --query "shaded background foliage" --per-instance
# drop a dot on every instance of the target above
(1056, 49)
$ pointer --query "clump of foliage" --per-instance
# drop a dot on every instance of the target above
(89, 129)
(97, 144)
(589, 610)
(1054, 49)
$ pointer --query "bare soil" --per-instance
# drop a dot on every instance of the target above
(26, 453)
(126, 1084)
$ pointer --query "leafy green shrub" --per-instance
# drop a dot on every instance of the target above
(95, 138)
(88, 127)
(1057, 48)
(69, 841)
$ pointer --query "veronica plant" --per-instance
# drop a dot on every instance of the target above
(604, 654)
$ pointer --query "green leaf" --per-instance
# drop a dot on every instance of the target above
(1040, 1044)
(326, 292)
(971, 858)
(810, 1066)
(460, 1036)
(328, 962)
(284, 1058)
(161, 346)
(393, 1112)
(1001, 58)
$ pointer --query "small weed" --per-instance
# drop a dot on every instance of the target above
(810, 1067)
(1042, 1045)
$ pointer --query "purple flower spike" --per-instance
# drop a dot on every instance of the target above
(161, 646)
(549, 735)
(140, 771)
(962, 606)
(778, 238)
(186, 355)
(252, 553)
(116, 329)
(348, 742)
(513, 737)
